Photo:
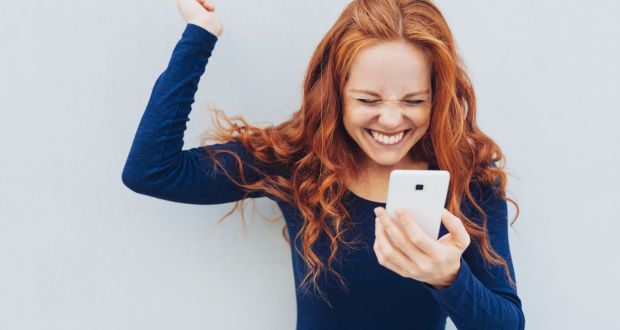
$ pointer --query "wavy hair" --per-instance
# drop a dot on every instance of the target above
(320, 172)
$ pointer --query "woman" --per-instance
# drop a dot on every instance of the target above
(384, 90)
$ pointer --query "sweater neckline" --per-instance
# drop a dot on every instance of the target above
(364, 200)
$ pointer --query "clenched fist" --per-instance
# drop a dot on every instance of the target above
(201, 13)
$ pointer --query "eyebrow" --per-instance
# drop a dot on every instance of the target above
(426, 91)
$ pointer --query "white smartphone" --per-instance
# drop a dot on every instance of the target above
(422, 193)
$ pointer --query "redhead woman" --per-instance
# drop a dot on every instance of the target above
(385, 89)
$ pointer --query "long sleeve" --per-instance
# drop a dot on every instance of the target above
(481, 296)
(156, 165)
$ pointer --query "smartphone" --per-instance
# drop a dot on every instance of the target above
(422, 193)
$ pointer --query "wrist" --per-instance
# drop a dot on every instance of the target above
(447, 280)
(210, 28)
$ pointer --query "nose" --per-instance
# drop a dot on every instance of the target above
(390, 117)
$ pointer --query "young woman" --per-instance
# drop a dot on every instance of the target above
(385, 90)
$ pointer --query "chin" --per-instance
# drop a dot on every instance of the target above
(386, 161)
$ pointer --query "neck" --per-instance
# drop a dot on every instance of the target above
(373, 183)
(378, 172)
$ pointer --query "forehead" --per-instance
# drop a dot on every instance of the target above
(393, 66)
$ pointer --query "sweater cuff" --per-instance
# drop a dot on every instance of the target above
(200, 36)
(455, 288)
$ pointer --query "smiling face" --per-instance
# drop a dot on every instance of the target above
(387, 101)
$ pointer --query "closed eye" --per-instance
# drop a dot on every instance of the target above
(411, 102)
(415, 102)
(365, 101)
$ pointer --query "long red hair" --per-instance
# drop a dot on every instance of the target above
(319, 172)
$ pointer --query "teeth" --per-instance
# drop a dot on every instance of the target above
(387, 139)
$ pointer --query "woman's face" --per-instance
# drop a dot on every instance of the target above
(387, 101)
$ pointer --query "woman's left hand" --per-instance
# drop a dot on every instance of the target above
(410, 252)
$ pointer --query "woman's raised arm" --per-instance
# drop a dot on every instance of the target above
(157, 166)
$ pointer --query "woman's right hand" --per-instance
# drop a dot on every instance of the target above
(201, 13)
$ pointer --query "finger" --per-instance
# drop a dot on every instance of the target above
(417, 235)
(388, 263)
(389, 256)
(457, 230)
(399, 238)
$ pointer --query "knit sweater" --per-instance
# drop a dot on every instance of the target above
(375, 297)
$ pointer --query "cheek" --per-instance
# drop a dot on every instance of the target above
(346, 119)
(422, 118)
(355, 118)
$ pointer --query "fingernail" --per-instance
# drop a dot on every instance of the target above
(377, 211)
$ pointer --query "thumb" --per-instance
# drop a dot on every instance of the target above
(456, 229)
(207, 4)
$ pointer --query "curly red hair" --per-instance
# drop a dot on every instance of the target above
(320, 172)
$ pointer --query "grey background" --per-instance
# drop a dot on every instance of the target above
(78, 250)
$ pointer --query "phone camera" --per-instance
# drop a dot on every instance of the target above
(419, 187)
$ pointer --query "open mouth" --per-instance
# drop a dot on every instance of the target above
(387, 140)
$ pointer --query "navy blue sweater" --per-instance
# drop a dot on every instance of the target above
(376, 297)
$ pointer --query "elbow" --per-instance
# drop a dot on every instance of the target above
(129, 181)
(521, 320)
(519, 315)
(517, 321)
(142, 180)
(132, 180)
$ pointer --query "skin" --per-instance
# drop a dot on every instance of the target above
(201, 13)
(392, 71)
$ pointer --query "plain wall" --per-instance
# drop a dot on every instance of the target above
(79, 250)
